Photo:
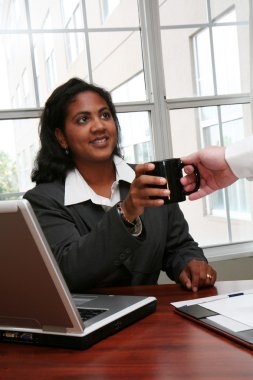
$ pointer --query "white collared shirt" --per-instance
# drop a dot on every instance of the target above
(77, 190)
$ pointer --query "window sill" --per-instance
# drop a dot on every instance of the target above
(229, 251)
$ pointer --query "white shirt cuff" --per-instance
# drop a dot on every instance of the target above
(239, 157)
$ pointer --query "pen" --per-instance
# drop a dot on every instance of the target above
(236, 294)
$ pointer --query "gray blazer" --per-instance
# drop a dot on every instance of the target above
(94, 248)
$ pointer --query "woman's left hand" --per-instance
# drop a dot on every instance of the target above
(197, 274)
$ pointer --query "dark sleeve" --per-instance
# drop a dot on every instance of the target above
(180, 246)
(85, 258)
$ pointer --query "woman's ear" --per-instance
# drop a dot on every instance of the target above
(61, 138)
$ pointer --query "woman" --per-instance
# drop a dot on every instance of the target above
(96, 211)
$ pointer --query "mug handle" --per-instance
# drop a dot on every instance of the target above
(197, 177)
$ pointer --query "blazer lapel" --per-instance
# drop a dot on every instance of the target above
(123, 189)
(87, 215)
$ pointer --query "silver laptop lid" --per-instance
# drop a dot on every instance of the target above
(33, 293)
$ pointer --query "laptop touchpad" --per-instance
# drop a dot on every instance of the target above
(82, 301)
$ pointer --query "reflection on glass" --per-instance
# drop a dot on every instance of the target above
(136, 142)
(19, 144)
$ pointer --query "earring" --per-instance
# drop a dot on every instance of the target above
(66, 151)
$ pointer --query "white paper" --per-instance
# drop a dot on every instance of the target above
(239, 308)
(229, 323)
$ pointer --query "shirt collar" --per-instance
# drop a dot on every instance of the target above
(77, 190)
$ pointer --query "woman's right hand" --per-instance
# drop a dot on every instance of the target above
(141, 190)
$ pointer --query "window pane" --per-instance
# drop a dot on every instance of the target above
(241, 7)
(200, 63)
(56, 14)
(17, 88)
(18, 146)
(177, 49)
(208, 219)
(231, 53)
(182, 12)
(136, 144)
(116, 59)
(12, 15)
(132, 90)
(58, 57)
(112, 13)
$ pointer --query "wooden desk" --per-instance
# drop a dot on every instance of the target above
(161, 346)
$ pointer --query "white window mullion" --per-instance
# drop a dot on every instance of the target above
(155, 80)
(251, 52)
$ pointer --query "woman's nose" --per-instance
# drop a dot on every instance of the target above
(98, 124)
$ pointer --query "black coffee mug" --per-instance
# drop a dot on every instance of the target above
(171, 169)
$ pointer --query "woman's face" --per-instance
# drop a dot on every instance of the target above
(90, 131)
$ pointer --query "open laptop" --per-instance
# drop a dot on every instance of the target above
(36, 306)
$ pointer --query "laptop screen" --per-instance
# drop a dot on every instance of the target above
(32, 291)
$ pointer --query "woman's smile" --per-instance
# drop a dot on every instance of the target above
(100, 141)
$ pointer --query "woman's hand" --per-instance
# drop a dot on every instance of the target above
(141, 190)
(197, 274)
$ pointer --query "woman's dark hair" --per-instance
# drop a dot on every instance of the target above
(52, 163)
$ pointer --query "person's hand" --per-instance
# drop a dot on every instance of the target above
(215, 173)
(141, 190)
(197, 274)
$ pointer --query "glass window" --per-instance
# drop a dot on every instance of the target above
(72, 14)
(203, 62)
(219, 7)
(131, 90)
(182, 12)
(229, 77)
(108, 7)
(136, 143)
(112, 13)
(61, 11)
(19, 144)
(198, 61)
(114, 50)
(220, 217)
(52, 61)
(16, 72)
(12, 15)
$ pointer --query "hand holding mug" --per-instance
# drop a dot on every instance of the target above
(171, 170)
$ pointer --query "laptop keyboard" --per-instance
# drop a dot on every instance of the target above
(90, 313)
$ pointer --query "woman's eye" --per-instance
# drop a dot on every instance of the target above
(106, 115)
(82, 120)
